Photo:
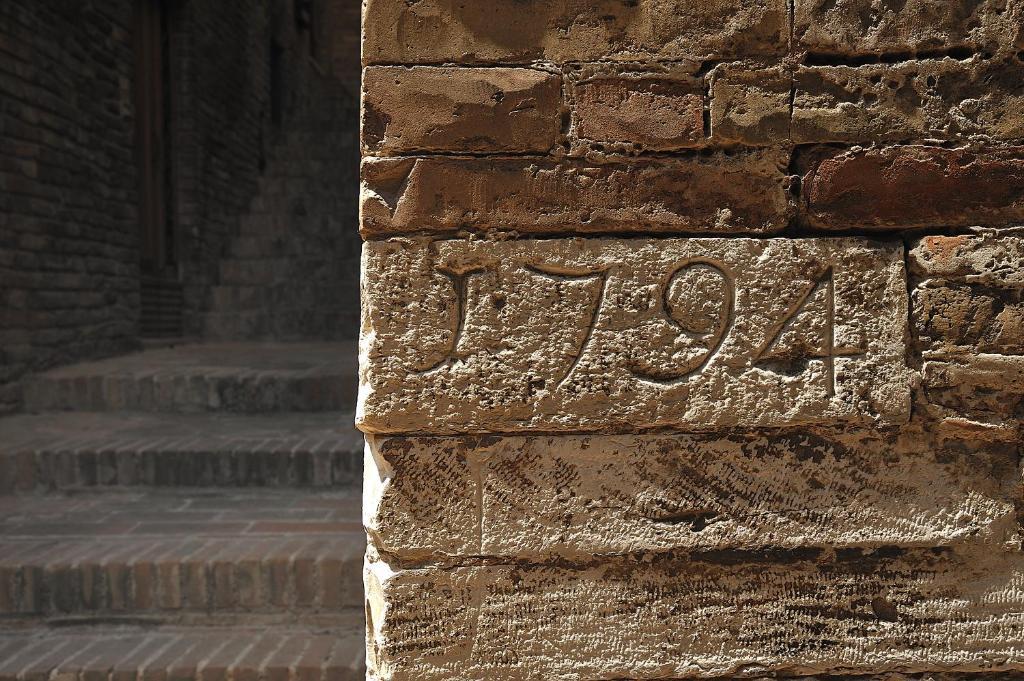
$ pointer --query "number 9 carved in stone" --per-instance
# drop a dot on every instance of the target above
(697, 299)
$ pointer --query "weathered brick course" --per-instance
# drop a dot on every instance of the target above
(860, 27)
(508, 31)
(717, 194)
(638, 111)
(926, 99)
(460, 110)
(900, 187)
(750, 105)
(969, 297)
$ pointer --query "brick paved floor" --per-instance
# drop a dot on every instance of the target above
(97, 653)
(176, 550)
(75, 449)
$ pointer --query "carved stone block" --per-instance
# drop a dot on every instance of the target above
(604, 335)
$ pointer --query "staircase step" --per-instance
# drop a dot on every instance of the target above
(165, 552)
(141, 653)
(64, 451)
(228, 377)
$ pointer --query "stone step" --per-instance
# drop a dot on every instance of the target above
(227, 377)
(246, 652)
(67, 451)
(167, 552)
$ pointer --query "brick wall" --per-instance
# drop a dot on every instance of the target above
(68, 226)
(68, 205)
(692, 339)
(220, 54)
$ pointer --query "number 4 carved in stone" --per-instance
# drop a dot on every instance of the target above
(828, 350)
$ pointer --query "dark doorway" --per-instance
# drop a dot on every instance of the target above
(161, 294)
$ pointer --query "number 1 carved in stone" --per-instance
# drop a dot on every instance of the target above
(459, 280)
(828, 351)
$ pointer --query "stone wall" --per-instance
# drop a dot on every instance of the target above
(68, 190)
(692, 339)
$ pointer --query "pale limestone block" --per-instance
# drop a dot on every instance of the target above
(699, 617)
(611, 334)
(570, 497)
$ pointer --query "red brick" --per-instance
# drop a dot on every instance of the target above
(129, 667)
(157, 668)
(460, 109)
(310, 665)
(216, 666)
(721, 194)
(656, 112)
(106, 654)
(916, 186)
(35, 662)
(279, 665)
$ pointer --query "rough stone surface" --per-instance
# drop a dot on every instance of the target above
(716, 194)
(941, 99)
(915, 186)
(639, 110)
(603, 334)
(750, 105)
(691, 617)
(543, 497)
(991, 260)
(969, 295)
(864, 27)
(982, 394)
(632, 409)
(509, 31)
(460, 110)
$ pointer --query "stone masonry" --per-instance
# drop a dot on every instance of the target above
(693, 339)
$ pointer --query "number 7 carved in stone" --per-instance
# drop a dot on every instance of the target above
(567, 274)
(829, 352)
